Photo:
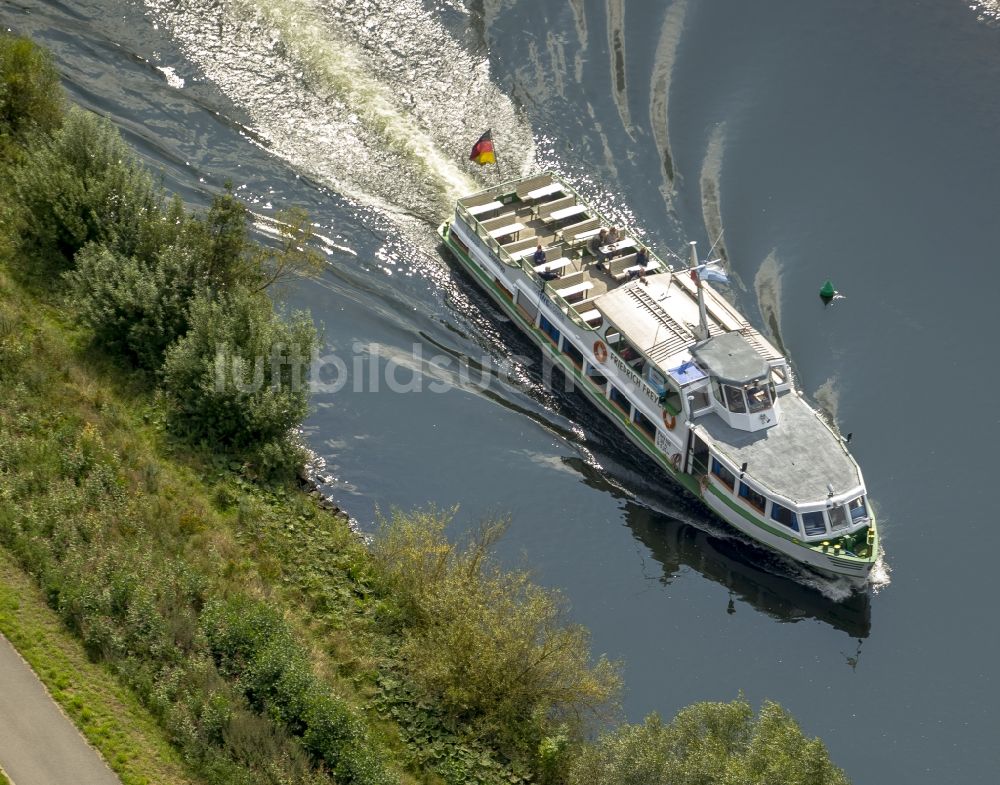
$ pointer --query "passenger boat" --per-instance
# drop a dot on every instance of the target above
(675, 367)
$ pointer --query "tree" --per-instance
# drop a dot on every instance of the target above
(137, 308)
(82, 185)
(238, 379)
(31, 97)
(709, 744)
(293, 256)
(491, 647)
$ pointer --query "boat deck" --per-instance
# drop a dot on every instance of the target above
(796, 458)
(541, 209)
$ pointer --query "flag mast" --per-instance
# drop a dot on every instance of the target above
(702, 312)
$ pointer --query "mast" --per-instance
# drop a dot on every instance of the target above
(702, 333)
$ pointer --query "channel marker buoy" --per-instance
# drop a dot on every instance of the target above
(827, 292)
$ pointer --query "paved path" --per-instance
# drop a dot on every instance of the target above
(38, 744)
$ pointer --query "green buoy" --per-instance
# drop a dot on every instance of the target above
(827, 291)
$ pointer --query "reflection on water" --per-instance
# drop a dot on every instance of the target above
(685, 535)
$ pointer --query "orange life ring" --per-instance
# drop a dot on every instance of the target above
(600, 351)
(669, 420)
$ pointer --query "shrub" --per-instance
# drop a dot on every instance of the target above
(238, 379)
(494, 649)
(709, 743)
(252, 645)
(83, 184)
(31, 98)
(136, 308)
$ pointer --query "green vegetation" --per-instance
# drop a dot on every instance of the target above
(709, 743)
(148, 390)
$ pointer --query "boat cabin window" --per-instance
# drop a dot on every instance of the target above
(655, 379)
(754, 499)
(645, 424)
(574, 354)
(784, 516)
(671, 399)
(760, 395)
(549, 329)
(734, 399)
(858, 508)
(699, 399)
(618, 399)
(838, 517)
(813, 523)
(725, 476)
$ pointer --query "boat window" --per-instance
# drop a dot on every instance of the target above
(813, 523)
(784, 516)
(734, 399)
(655, 378)
(755, 499)
(699, 399)
(838, 517)
(671, 399)
(574, 354)
(618, 398)
(595, 375)
(858, 508)
(648, 426)
(717, 389)
(725, 476)
(549, 329)
(759, 396)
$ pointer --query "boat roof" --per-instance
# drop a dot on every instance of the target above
(730, 358)
(659, 317)
(796, 458)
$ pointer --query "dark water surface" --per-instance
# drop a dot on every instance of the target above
(855, 141)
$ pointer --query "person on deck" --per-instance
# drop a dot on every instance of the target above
(595, 244)
(539, 255)
(641, 260)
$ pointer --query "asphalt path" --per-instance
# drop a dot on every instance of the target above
(38, 743)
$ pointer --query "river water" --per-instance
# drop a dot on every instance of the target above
(855, 141)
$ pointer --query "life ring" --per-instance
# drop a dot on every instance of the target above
(600, 351)
(703, 483)
(676, 460)
(669, 420)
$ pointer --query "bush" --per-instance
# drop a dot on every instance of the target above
(238, 379)
(252, 645)
(491, 647)
(136, 308)
(31, 98)
(709, 743)
(83, 184)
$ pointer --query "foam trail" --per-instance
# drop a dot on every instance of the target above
(341, 68)
(659, 101)
(711, 208)
(384, 113)
(767, 285)
(616, 49)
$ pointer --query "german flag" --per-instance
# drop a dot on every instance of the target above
(482, 151)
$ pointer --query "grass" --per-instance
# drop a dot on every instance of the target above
(108, 715)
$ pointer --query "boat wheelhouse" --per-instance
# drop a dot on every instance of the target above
(673, 364)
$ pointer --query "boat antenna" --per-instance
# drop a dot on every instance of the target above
(702, 311)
